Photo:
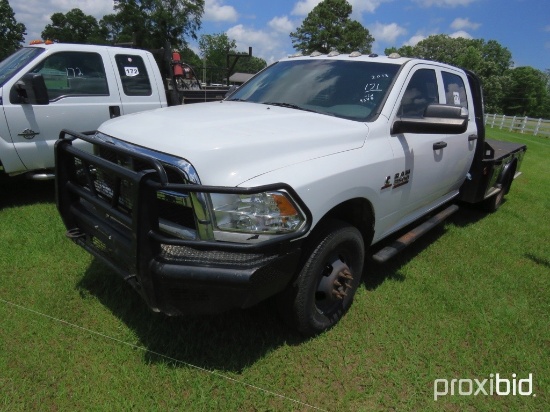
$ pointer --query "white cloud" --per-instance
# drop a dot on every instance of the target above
(461, 33)
(282, 24)
(35, 14)
(215, 10)
(303, 7)
(96, 8)
(267, 45)
(418, 37)
(387, 33)
(444, 3)
(242, 34)
(461, 24)
(414, 40)
(365, 6)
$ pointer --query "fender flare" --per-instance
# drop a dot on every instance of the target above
(506, 176)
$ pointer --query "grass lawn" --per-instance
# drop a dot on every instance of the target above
(468, 301)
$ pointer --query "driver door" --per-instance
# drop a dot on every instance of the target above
(82, 95)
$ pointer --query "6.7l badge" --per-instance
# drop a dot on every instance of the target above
(399, 179)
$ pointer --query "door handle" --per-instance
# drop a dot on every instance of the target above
(114, 111)
(472, 137)
(439, 145)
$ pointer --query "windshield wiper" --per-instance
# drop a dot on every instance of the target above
(289, 105)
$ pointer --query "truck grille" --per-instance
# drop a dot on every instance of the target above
(174, 208)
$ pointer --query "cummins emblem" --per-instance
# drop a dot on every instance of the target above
(28, 134)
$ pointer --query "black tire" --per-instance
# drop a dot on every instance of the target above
(324, 289)
(494, 202)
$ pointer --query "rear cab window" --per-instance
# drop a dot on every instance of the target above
(455, 90)
(133, 74)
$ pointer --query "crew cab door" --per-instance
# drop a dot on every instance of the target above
(432, 164)
(136, 79)
(82, 93)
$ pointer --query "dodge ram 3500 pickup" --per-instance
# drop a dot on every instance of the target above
(47, 86)
(282, 188)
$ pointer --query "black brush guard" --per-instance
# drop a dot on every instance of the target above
(119, 224)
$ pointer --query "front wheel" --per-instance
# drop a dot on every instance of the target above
(324, 288)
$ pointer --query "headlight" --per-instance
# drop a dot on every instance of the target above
(263, 213)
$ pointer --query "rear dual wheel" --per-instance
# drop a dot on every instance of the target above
(324, 289)
(494, 202)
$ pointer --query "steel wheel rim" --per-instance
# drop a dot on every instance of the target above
(334, 283)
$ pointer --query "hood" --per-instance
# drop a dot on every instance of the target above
(229, 143)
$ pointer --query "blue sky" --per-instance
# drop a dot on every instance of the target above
(522, 26)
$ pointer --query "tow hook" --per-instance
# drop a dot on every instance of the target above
(74, 233)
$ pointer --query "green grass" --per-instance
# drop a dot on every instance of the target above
(469, 300)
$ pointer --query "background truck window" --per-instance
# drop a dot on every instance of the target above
(73, 74)
(455, 92)
(132, 71)
(421, 92)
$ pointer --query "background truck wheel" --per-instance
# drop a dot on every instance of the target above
(323, 290)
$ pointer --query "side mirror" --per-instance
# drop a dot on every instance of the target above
(438, 118)
(31, 89)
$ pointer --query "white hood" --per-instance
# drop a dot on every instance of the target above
(231, 142)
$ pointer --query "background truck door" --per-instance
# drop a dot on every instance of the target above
(138, 87)
(82, 94)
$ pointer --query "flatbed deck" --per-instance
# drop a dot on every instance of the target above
(504, 149)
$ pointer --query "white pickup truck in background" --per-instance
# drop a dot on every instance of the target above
(47, 87)
(284, 187)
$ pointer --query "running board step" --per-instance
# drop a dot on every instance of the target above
(408, 238)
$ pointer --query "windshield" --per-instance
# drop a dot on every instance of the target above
(11, 65)
(348, 89)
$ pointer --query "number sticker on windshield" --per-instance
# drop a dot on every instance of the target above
(373, 87)
(370, 89)
(379, 76)
(131, 71)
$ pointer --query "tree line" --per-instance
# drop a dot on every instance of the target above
(520, 91)
(145, 24)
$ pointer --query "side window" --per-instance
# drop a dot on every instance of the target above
(132, 71)
(73, 74)
(421, 91)
(455, 92)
